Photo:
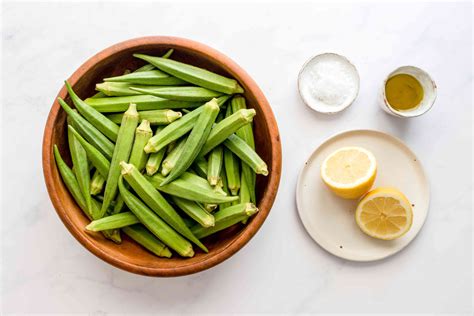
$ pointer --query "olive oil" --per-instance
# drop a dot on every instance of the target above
(403, 92)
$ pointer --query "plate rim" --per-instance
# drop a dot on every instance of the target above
(350, 131)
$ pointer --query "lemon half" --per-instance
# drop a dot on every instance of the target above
(384, 213)
(349, 171)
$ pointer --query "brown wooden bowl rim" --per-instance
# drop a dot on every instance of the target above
(268, 196)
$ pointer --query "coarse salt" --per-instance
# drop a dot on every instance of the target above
(328, 83)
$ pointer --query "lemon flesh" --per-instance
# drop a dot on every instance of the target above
(349, 172)
(384, 213)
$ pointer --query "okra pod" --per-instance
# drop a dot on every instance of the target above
(99, 120)
(97, 159)
(246, 133)
(225, 189)
(244, 193)
(195, 211)
(88, 131)
(70, 181)
(117, 89)
(155, 224)
(81, 167)
(240, 148)
(143, 102)
(215, 162)
(198, 76)
(231, 166)
(190, 187)
(97, 183)
(154, 159)
(195, 140)
(143, 237)
(225, 128)
(113, 222)
(122, 151)
(148, 78)
(192, 94)
(226, 218)
(156, 202)
(155, 117)
(177, 129)
(172, 158)
(138, 156)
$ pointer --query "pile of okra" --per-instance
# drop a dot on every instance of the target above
(164, 154)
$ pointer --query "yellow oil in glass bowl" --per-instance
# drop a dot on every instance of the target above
(403, 92)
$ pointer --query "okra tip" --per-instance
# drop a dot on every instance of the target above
(250, 209)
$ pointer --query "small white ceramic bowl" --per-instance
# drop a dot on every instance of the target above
(351, 76)
(429, 92)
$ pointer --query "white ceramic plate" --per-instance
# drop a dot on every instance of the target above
(330, 219)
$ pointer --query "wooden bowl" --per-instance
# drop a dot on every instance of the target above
(129, 255)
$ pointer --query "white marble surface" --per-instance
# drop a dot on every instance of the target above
(281, 270)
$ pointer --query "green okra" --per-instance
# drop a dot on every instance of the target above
(113, 222)
(231, 166)
(190, 187)
(195, 140)
(154, 159)
(155, 224)
(70, 181)
(81, 167)
(240, 148)
(225, 218)
(245, 196)
(200, 166)
(99, 120)
(98, 95)
(122, 151)
(155, 117)
(185, 93)
(246, 133)
(225, 128)
(225, 189)
(100, 162)
(89, 132)
(97, 183)
(195, 75)
(154, 200)
(138, 156)
(177, 129)
(214, 166)
(143, 237)
(118, 89)
(148, 67)
(172, 158)
(148, 78)
(195, 211)
(143, 102)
